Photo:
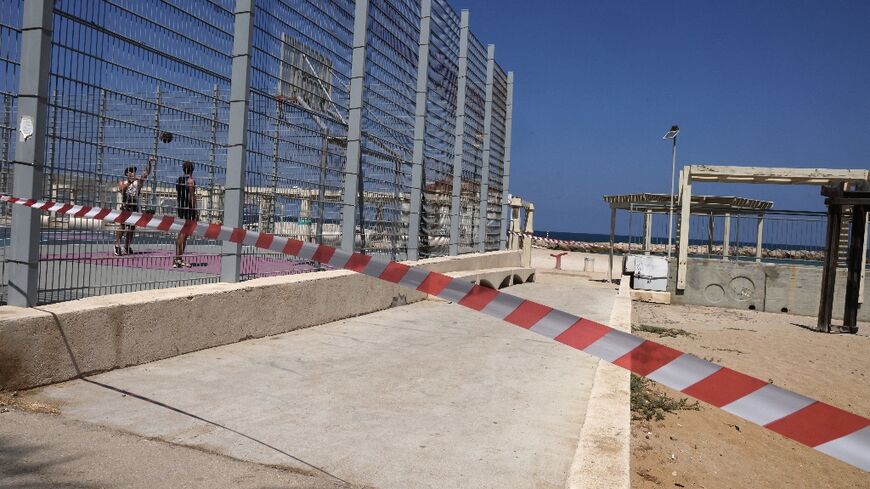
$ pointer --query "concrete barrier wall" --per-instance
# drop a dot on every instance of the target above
(762, 286)
(59, 342)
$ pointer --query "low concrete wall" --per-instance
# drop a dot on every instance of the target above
(58, 342)
(762, 286)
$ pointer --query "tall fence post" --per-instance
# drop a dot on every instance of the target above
(36, 33)
(237, 136)
(726, 237)
(352, 177)
(158, 100)
(101, 150)
(419, 130)
(505, 193)
(459, 134)
(212, 157)
(487, 141)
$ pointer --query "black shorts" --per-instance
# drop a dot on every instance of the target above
(129, 208)
(188, 214)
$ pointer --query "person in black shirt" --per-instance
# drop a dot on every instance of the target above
(130, 189)
(185, 192)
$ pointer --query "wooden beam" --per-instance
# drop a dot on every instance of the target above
(787, 176)
(829, 269)
(853, 275)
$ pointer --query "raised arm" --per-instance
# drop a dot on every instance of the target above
(151, 160)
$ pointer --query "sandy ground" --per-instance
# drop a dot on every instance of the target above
(713, 449)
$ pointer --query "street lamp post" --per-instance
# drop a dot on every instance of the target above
(672, 135)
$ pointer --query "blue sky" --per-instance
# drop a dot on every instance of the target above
(765, 83)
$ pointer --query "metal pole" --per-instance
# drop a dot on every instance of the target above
(612, 236)
(505, 206)
(101, 148)
(759, 239)
(487, 141)
(213, 154)
(23, 263)
(7, 132)
(52, 142)
(352, 177)
(276, 146)
(415, 210)
(321, 186)
(156, 142)
(726, 237)
(237, 136)
(459, 135)
(671, 203)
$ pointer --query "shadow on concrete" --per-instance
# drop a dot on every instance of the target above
(155, 402)
(22, 466)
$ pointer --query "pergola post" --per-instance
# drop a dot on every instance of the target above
(685, 216)
(647, 232)
(829, 268)
(855, 267)
(759, 239)
(726, 237)
(612, 232)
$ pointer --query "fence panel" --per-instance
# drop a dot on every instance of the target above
(131, 81)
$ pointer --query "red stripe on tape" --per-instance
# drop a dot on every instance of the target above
(723, 387)
(583, 333)
(145, 219)
(394, 272)
(188, 227)
(238, 235)
(323, 254)
(123, 216)
(527, 314)
(166, 223)
(213, 231)
(357, 262)
(29, 202)
(818, 423)
(102, 213)
(81, 213)
(434, 283)
(264, 241)
(64, 208)
(47, 205)
(478, 297)
(292, 247)
(648, 357)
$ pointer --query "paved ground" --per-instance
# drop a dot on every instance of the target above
(426, 395)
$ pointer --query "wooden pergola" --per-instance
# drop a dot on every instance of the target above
(843, 187)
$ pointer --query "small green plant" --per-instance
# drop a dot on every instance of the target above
(662, 332)
(647, 404)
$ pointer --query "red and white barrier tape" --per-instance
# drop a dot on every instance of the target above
(826, 428)
(554, 241)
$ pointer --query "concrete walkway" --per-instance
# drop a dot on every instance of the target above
(425, 395)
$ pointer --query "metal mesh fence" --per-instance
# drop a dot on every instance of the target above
(297, 133)
(388, 125)
(139, 88)
(496, 158)
(472, 157)
(440, 126)
(787, 236)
